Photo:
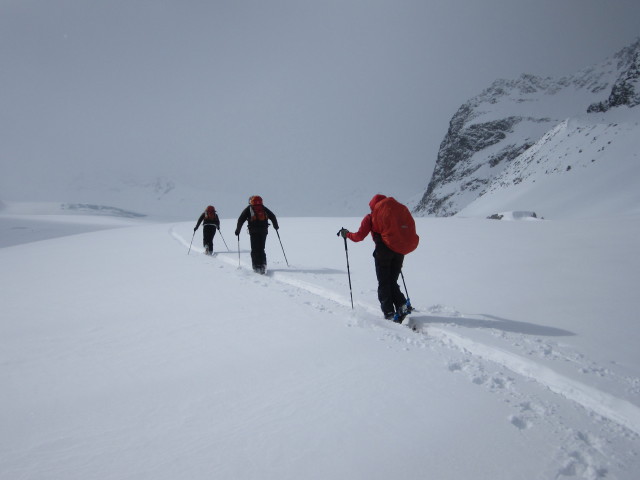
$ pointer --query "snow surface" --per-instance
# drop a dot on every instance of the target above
(123, 356)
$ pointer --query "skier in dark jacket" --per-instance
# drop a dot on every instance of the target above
(210, 222)
(257, 217)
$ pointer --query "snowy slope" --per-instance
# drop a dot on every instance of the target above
(586, 166)
(124, 357)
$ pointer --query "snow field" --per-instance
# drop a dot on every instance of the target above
(124, 357)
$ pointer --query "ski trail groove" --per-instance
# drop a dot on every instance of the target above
(601, 403)
(618, 410)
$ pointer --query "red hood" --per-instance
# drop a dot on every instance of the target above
(375, 200)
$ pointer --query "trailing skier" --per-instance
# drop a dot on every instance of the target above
(210, 222)
(257, 217)
(394, 232)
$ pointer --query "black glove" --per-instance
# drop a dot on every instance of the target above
(194, 229)
(237, 232)
(343, 232)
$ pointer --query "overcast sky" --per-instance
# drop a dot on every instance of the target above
(283, 98)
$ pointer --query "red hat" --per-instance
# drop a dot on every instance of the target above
(255, 200)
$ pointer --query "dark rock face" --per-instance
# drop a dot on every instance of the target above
(492, 129)
(626, 89)
(475, 151)
(455, 157)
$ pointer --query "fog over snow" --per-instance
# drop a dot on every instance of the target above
(313, 105)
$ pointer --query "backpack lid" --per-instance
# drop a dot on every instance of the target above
(210, 211)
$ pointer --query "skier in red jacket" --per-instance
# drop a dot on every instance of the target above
(388, 264)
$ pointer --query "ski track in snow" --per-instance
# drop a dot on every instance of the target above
(575, 460)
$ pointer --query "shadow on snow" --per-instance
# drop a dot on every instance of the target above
(493, 322)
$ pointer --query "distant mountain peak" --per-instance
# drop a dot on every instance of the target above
(494, 128)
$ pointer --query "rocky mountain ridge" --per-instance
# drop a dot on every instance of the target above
(587, 166)
(491, 130)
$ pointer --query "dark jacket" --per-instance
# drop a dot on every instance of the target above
(215, 221)
(256, 226)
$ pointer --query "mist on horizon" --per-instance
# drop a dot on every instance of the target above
(318, 106)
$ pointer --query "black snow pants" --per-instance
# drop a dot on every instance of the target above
(258, 239)
(388, 268)
(208, 232)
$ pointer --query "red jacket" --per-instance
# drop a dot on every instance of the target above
(366, 225)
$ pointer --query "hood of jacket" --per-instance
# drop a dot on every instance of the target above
(376, 198)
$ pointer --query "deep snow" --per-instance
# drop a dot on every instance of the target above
(122, 356)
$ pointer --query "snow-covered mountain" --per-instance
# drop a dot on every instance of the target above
(558, 176)
(546, 124)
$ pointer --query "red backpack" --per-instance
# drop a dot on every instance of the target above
(257, 209)
(210, 212)
(393, 221)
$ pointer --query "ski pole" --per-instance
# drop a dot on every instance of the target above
(225, 243)
(194, 234)
(285, 255)
(238, 251)
(406, 291)
(346, 251)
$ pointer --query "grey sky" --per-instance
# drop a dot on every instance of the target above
(285, 98)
